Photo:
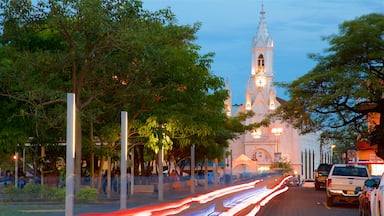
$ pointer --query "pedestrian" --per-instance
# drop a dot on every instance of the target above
(7, 178)
(115, 180)
(105, 181)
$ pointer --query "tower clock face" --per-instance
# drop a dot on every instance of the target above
(260, 81)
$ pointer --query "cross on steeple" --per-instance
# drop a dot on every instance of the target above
(262, 5)
(262, 8)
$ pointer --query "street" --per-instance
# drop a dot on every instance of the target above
(290, 201)
(305, 201)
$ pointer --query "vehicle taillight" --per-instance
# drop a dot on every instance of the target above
(329, 182)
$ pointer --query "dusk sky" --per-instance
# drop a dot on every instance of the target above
(296, 27)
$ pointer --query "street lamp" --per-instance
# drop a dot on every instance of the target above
(332, 147)
(277, 132)
(16, 158)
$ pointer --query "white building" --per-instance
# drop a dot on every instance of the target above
(257, 150)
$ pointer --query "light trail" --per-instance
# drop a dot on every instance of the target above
(251, 196)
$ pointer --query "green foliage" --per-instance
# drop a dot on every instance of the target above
(114, 55)
(32, 192)
(10, 138)
(345, 85)
(32, 188)
(11, 193)
(283, 166)
(58, 194)
(156, 134)
(87, 194)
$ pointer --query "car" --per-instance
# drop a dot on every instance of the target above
(377, 205)
(292, 181)
(321, 175)
(308, 183)
(367, 196)
(344, 183)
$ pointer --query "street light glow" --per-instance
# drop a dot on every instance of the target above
(277, 131)
(256, 134)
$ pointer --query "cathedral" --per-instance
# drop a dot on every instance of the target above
(257, 150)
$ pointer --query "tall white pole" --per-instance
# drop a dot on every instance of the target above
(230, 181)
(24, 160)
(160, 187)
(70, 156)
(192, 167)
(132, 171)
(123, 159)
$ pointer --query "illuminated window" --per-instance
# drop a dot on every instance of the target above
(272, 106)
(260, 61)
(248, 106)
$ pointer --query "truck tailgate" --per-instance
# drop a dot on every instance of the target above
(347, 183)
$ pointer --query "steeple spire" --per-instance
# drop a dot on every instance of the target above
(262, 37)
(262, 7)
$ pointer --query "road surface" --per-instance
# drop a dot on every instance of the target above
(305, 201)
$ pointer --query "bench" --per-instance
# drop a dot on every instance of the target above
(144, 188)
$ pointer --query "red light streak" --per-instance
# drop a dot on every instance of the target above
(259, 199)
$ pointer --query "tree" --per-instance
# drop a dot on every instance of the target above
(67, 46)
(31, 99)
(345, 86)
(114, 56)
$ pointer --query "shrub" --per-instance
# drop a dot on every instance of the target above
(11, 193)
(87, 194)
(32, 192)
(58, 194)
(47, 191)
(37, 192)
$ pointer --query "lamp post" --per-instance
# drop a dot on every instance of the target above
(16, 158)
(277, 131)
(332, 147)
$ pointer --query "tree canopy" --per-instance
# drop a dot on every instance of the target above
(115, 56)
(345, 86)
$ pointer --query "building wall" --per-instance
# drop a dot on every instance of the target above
(310, 151)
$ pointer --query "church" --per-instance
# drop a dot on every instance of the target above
(257, 150)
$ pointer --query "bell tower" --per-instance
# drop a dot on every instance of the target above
(279, 140)
(260, 89)
(262, 49)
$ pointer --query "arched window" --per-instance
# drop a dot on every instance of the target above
(261, 156)
(260, 60)
(260, 63)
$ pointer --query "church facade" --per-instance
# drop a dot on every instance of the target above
(257, 150)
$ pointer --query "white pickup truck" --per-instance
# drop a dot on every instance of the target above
(344, 181)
